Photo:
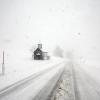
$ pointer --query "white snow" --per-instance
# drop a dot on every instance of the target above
(86, 81)
(24, 67)
(27, 92)
(72, 24)
(65, 87)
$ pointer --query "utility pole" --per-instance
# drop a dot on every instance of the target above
(3, 64)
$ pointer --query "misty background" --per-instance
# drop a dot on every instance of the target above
(72, 25)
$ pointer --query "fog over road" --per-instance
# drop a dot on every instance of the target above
(86, 87)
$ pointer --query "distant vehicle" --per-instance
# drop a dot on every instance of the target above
(39, 54)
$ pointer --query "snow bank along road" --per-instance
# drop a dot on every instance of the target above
(28, 88)
(64, 89)
(18, 70)
(62, 81)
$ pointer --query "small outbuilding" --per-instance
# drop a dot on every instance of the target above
(45, 56)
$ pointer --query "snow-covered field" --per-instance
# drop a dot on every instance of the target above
(33, 86)
(22, 68)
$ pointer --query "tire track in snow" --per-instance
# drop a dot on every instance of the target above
(87, 89)
(23, 83)
(64, 89)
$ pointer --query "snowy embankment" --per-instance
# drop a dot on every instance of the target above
(32, 85)
(23, 69)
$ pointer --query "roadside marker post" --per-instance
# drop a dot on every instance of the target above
(3, 64)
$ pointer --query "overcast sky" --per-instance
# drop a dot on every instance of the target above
(72, 24)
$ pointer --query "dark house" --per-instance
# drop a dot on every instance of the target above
(38, 54)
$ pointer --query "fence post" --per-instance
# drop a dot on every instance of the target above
(3, 64)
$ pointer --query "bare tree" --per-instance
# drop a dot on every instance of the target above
(58, 51)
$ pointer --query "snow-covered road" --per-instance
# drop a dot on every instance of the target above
(79, 83)
(31, 87)
(86, 87)
(17, 71)
(64, 90)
